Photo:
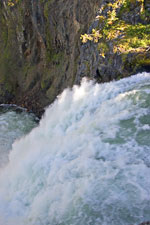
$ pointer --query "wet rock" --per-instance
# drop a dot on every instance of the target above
(145, 223)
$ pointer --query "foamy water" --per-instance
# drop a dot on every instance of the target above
(13, 125)
(88, 162)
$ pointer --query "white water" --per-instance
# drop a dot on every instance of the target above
(13, 125)
(88, 162)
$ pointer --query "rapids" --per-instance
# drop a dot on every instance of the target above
(88, 161)
(14, 123)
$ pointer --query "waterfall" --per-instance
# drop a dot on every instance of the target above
(88, 161)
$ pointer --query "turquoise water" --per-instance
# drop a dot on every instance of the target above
(87, 162)
(14, 123)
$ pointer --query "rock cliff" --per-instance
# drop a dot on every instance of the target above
(118, 41)
(40, 44)
(41, 51)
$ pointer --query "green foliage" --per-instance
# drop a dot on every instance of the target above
(95, 36)
(12, 3)
(123, 36)
(103, 48)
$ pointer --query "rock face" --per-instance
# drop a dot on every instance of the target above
(117, 44)
(41, 52)
(40, 44)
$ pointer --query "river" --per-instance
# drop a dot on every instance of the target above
(86, 163)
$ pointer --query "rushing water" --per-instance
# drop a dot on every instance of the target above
(14, 123)
(88, 161)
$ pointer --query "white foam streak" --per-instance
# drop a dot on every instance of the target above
(83, 164)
